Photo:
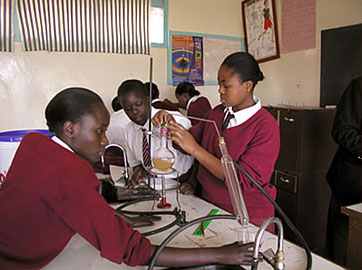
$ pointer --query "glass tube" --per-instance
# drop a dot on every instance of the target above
(231, 177)
(233, 185)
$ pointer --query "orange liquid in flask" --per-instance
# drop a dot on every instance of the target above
(163, 164)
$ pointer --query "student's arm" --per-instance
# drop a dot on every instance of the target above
(229, 254)
(190, 187)
(173, 103)
(139, 175)
(184, 139)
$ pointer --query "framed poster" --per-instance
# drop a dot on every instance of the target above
(260, 29)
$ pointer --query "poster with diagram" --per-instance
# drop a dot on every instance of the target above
(196, 58)
(260, 29)
(187, 60)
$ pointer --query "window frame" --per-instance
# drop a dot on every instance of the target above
(164, 5)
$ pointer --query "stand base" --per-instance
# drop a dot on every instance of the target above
(163, 203)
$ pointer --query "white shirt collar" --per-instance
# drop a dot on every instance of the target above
(61, 143)
(190, 101)
(244, 114)
(155, 100)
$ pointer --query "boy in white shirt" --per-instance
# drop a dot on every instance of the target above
(136, 104)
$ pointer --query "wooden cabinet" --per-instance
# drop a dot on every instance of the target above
(354, 248)
(306, 151)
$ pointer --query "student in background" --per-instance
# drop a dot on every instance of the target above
(116, 106)
(250, 132)
(189, 99)
(119, 120)
(51, 193)
(156, 102)
(114, 156)
(345, 173)
(135, 101)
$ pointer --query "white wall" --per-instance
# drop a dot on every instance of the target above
(29, 80)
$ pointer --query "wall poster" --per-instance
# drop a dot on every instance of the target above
(196, 57)
(260, 29)
(187, 59)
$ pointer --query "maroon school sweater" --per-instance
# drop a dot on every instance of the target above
(50, 194)
(199, 108)
(254, 145)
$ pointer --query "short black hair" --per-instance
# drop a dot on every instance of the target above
(70, 105)
(132, 86)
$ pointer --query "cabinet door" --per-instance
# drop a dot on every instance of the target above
(307, 208)
(288, 203)
(285, 181)
(306, 144)
(290, 123)
(289, 153)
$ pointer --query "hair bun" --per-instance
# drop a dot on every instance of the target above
(260, 76)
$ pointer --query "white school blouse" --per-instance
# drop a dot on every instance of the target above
(115, 132)
(133, 139)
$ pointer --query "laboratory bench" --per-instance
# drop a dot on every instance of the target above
(79, 254)
(354, 247)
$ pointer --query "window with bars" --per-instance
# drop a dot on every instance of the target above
(6, 25)
(159, 23)
(78, 26)
(112, 26)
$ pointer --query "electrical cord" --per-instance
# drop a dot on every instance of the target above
(283, 215)
(172, 235)
(180, 216)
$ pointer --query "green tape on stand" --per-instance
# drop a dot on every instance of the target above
(198, 231)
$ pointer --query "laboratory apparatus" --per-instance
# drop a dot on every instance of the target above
(163, 161)
(276, 260)
(124, 169)
(233, 185)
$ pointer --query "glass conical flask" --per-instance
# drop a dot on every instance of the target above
(163, 158)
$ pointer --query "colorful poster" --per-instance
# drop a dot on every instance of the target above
(187, 60)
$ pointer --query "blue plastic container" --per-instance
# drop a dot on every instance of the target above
(17, 135)
(9, 142)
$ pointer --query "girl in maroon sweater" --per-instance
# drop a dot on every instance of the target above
(189, 100)
(51, 192)
(251, 136)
